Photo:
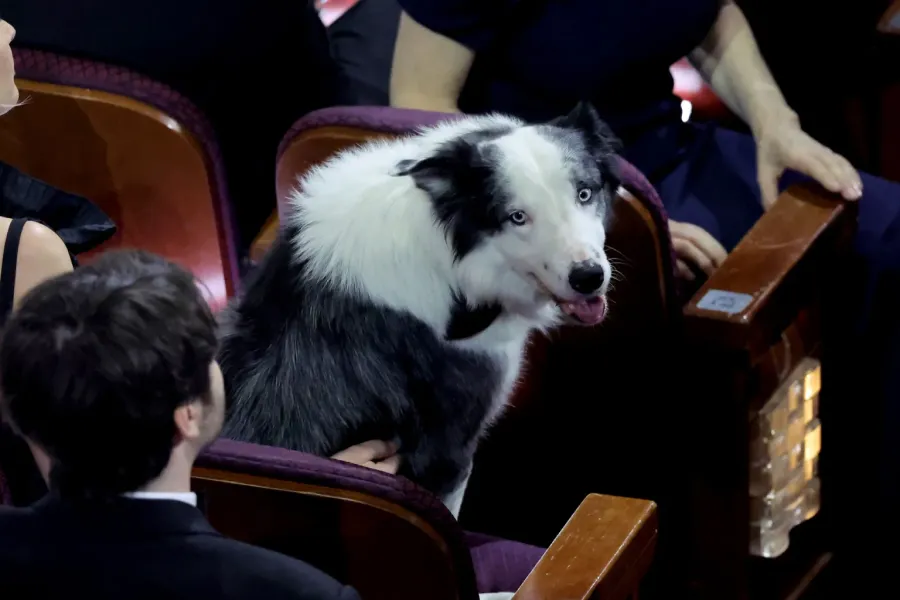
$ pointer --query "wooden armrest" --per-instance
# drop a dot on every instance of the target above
(602, 553)
(773, 271)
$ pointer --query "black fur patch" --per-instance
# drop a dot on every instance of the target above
(311, 369)
(461, 180)
(466, 322)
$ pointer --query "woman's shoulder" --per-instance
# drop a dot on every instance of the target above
(40, 243)
(41, 255)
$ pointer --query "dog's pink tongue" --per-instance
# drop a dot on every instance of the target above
(589, 312)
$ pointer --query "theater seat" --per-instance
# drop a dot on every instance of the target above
(137, 149)
(389, 538)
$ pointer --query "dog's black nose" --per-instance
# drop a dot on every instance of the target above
(586, 277)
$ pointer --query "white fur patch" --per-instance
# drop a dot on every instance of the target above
(374, 234)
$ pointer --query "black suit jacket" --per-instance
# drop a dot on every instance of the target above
(252, 66)
(142, 549)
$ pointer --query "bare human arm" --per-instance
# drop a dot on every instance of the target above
(730, 61)
(429, 69)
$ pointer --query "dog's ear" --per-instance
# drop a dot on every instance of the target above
(433, 175)
(436, 174)
(584, 118)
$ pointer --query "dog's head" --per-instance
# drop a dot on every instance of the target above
(525, 210)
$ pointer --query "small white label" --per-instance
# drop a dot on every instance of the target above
(726, 302)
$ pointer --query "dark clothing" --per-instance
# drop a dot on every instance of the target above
(252, 67)
(8, 267)
(536, 58)
(362, 42)
(20, 481)
(139, 549)
(79, 223)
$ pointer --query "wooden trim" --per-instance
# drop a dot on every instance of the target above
(603, 551)
(265, 238)
(305, 489)
(154, 114)
(644, 212)
(767, 264)
(129, 104)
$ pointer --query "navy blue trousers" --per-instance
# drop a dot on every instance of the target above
(713, 185)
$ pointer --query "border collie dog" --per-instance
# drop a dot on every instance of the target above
(398, 300)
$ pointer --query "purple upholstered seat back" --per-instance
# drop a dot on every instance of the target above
(46, 67)
(399, 121)
(287, 465)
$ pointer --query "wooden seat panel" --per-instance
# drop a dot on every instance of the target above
(141, 167)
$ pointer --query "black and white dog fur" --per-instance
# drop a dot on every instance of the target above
(398, 300)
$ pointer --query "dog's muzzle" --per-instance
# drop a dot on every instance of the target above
(587, 279)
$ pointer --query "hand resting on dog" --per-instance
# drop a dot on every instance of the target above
(375, 454)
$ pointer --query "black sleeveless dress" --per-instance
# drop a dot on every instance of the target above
(20, 481)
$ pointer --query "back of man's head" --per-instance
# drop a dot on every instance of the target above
(94, 365)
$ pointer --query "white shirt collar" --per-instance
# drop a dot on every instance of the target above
(186, 497)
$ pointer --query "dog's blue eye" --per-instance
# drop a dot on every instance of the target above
(584, 195)
(518, 217)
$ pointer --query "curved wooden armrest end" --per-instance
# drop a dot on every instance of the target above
(773, 270)
(602, 553)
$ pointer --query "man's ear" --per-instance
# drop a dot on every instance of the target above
(187, 420)
(584, 118)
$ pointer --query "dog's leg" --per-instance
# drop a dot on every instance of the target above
(453, 501)
(439, 464)
(496, 596)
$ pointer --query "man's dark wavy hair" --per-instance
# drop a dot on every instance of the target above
(94, 363)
